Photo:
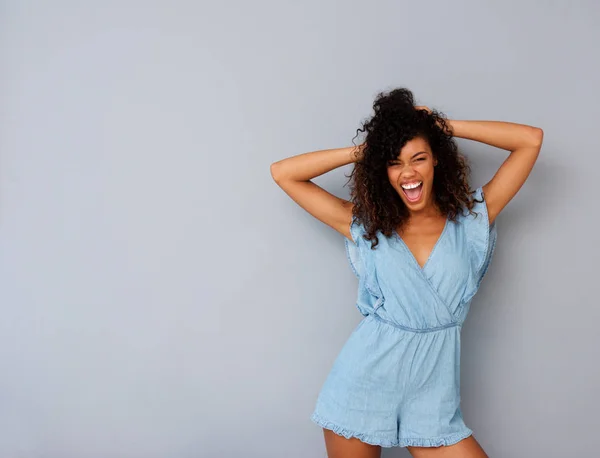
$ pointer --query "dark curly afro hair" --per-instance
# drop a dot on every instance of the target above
(396, 121)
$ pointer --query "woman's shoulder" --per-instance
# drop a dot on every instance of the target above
(361, 250)
(479, 207)
(358, 231)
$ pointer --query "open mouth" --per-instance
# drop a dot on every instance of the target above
(413, 191)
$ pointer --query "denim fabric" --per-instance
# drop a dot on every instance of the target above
(396, 381)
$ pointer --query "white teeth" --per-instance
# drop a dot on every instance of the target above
(412, 186)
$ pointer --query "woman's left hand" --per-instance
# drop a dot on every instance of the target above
(422, 107)
(428, 110)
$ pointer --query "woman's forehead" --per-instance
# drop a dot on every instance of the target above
(414, 146)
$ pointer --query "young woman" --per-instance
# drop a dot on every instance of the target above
(420, 241)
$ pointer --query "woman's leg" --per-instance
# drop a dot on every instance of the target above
(339, 447)
(466, 448)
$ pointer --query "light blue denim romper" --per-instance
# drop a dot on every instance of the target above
(396, 381)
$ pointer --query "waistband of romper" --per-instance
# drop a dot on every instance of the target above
(407, 328)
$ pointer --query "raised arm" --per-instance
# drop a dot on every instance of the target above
(523, 142)
(293, 175)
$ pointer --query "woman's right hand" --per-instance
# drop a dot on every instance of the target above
(357, 153)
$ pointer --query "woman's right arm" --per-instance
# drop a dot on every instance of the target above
(293, 175)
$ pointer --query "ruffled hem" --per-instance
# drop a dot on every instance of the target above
(386, 442)
(347, 433)
(435, 441)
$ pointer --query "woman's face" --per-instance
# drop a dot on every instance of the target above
(413, 166)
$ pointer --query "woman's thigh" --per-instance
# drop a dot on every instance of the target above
(466, 448)
(339, 447)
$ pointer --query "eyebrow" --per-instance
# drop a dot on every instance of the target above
(414, 155)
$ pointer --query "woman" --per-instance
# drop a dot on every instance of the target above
(419, 241)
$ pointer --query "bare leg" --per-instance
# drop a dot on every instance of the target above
(339, 447)
(466, 448)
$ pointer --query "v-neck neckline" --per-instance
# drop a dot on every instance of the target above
(410, 253)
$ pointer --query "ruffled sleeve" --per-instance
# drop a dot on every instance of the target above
(359, 255)
(480, 240)
(353, 249)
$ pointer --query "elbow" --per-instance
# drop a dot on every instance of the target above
(537, 136)
(275, 171)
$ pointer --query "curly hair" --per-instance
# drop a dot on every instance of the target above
(396, 121)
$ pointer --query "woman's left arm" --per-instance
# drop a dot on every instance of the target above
(524, 143)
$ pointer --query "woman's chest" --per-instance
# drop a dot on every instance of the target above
(421, 242)
(445, 268)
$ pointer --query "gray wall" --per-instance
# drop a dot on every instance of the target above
(161, 296)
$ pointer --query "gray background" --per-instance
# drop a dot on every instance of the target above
(161, 296)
